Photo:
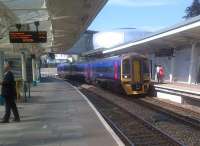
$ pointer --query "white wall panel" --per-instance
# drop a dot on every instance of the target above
(164, 61)
(182, 63)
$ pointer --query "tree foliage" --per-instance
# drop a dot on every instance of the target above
(193, 10)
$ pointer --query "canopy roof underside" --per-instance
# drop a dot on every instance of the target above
(64, 20)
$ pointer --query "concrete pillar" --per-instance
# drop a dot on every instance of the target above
(34, 70)
(1, 65)
(23, 60)
(37, 71)
(156, 63)
(172, 68)
(193, 64)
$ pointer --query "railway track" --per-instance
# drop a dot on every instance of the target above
(183, 131)
(132, 129)
(186, 116)
(189, 117)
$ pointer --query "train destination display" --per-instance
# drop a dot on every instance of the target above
(28, 37)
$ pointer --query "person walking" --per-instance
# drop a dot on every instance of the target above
(8, 91)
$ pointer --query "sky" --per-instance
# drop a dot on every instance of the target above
(149, 15)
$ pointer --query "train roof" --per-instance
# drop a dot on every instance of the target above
(134, 55)
(113, 57)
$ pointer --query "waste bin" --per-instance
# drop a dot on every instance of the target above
(18, 88)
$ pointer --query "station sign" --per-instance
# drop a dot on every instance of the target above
(28, 37)
(165, 53)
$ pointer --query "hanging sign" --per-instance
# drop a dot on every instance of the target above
(28, 37)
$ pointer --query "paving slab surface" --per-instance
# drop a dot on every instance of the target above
(180, 86)
(56, 115)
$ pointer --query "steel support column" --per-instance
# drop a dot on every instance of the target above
(23, 60)
(1, 65)
(34, 71)
(193, 64)
(172, 68)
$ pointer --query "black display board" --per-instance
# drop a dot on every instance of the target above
(28, 37)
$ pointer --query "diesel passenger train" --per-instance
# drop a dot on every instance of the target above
(130, 71)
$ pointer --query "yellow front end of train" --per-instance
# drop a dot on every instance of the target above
(135, 75)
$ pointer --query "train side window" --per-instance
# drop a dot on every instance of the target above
(126, 68)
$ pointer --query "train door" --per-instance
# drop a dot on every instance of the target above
(136, 71)
(137, 76)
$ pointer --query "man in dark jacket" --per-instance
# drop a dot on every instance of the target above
(8, 91)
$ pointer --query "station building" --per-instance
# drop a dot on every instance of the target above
(58, 113)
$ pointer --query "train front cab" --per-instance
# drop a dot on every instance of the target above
(135, 76)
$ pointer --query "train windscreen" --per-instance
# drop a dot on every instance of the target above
(126, 67)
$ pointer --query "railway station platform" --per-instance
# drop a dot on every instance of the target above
(179, 92)
(57, 115)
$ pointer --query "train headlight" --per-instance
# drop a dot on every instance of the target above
(126, 76)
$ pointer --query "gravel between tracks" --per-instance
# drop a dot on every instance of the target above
(136, 130)
(180, 131)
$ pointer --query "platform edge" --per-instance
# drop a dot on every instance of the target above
(106, 125)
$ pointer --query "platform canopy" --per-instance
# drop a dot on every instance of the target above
(64, 20)
(178, 36)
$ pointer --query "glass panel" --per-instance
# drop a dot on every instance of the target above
(126, 68)
(146, 66)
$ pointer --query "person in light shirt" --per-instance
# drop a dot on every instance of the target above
(158, 73)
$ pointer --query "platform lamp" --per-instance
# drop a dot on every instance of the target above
(173, 52)
(18, 26)
(37, 24)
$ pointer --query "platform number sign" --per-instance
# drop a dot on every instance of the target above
(28, 37)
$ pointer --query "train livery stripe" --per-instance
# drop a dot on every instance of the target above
(115, 71)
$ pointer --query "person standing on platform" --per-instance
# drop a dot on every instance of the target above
(161, 74)
(8, 91)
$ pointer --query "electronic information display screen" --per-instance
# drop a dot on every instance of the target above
(28, 37)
